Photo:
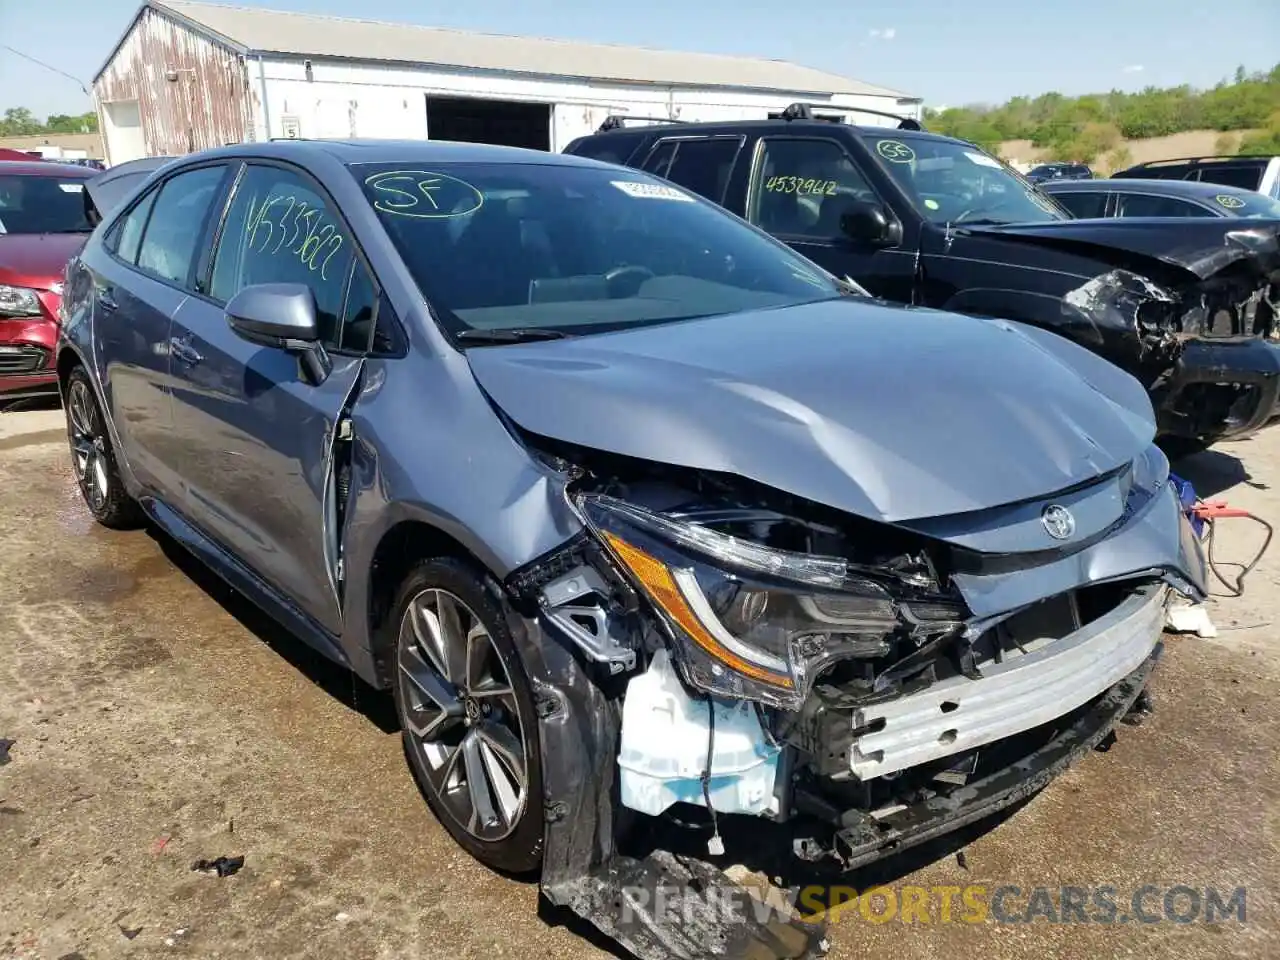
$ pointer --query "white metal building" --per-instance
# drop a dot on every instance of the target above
(186, 76)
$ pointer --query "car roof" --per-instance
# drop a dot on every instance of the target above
(749, 126)
(392, 151)
(1193, 189)
(45, 168)
(1248, 159)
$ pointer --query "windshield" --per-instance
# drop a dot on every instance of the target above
(42, 204)
(576, 249)
(951, 182)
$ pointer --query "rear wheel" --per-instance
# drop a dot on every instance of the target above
(93, 460)
(467, 715)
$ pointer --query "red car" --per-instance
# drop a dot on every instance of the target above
(43, 223)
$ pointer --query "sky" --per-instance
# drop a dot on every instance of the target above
(949, 53)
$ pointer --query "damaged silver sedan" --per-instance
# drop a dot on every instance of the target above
(639, 514)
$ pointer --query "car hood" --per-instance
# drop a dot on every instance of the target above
(890, 413)
(1203, 247)
(37, 259)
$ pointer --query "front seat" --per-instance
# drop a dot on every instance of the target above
(492, 257)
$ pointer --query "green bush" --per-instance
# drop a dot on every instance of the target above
(1063, 124)
(1264, 141)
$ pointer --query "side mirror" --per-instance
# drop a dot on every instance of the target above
(869, 223)
(283, 316)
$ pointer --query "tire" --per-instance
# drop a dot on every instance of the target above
(93, 460)
(474, 737)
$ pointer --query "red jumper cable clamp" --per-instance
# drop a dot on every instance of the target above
(1209, 512)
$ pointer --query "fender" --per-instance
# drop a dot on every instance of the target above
(1120, 341)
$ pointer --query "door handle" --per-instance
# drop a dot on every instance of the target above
(107, 300)
(179, 349)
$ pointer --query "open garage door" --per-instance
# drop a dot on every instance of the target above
(124, 139)
(501, 122)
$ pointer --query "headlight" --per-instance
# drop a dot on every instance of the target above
(1150, 469)
(18, 302)
(749, 621)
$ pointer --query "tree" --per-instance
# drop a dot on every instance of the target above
(81, 123)
(1062, 123)
(21, 122)
(1265, 141)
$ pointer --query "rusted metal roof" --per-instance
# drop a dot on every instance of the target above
(257, 31)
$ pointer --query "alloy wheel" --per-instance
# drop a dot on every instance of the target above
(463, 715)
(88, 446)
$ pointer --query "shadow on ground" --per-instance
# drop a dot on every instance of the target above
(1214, 471)
(51, 402)
(333, 678)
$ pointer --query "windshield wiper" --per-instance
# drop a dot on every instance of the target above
(851, 288)
(510, 335)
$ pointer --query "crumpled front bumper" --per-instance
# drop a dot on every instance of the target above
(871, 840)
(1015, 695)
(1250, 365)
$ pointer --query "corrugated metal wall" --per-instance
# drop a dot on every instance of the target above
(207, 106)
(384, 100)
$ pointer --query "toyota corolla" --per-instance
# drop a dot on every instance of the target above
(637, 513)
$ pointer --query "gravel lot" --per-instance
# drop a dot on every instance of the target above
(158, 720)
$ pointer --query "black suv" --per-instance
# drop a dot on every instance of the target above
(1258, 173)
(923, 219)
(1059, 171)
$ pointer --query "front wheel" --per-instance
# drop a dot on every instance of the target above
(467, 715)
(93, 460)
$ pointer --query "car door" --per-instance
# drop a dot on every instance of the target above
(259, 430)
(798, 191)
(146, 277)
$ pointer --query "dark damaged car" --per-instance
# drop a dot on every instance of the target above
(917, 218)
(640, 515)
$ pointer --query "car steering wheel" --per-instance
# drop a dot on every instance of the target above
(960, 217)
(637, 274)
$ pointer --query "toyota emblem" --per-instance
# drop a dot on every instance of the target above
(1058, 521)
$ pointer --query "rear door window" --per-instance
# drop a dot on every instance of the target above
(1144, 205)
(126, 235)
(801, 186)
(1084, 205)
(177, 223)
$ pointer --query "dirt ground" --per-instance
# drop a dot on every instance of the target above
(158, 720)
